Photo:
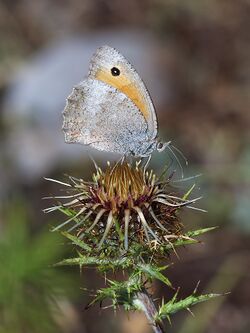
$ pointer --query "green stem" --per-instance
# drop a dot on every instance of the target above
(144, 302)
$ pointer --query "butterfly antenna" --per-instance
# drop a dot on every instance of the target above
(177, 160)
(166, 169)
(181, 153)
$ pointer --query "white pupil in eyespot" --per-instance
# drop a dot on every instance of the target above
(115, 71)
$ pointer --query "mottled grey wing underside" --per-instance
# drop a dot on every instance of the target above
(99, 115)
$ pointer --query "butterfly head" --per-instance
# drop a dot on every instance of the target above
(161, 146)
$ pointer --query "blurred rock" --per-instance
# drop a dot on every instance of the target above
(36, 96)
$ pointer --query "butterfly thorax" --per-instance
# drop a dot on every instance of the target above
(144, 149)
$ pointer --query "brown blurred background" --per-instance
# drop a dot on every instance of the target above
(194, 56)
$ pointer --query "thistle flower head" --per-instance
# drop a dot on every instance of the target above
(126, 202)
(123, 187)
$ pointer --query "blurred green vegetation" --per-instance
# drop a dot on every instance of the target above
(30, 287)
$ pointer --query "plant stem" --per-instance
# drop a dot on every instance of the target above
(144, 303)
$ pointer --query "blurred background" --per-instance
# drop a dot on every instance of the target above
(194, 57)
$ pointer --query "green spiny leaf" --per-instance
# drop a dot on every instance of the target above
(86, 260)
(186, 195)
(67, 211)
(76, 241)
(186, 239)
(119, 292)
(174, 306)
(154, 272)
(81, 261)
(181, 241)
(199, 231)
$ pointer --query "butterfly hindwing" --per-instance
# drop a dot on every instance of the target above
(99, 115)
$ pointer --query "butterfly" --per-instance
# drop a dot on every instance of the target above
(111, 110)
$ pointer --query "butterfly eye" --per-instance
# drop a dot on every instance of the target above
(160, 145)
(115, 71)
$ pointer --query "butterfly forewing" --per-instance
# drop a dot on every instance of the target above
(104, 66)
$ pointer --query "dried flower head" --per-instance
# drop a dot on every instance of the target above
(124, 203)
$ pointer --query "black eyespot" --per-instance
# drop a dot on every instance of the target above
(115, 71)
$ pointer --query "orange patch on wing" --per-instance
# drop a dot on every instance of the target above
(124, 84)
